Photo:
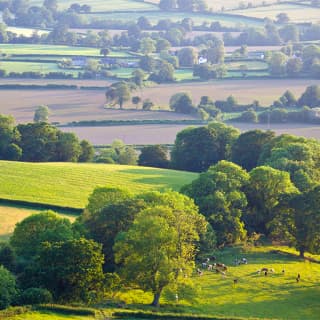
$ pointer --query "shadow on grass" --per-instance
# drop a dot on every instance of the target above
(297, 304)
(169, 179)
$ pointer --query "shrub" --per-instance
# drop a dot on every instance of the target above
(35, 296)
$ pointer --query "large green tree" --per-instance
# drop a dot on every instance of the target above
(160, 246)
(247, 148)
(196, 149)
(30, 233)
(264, 191)
(220, 197)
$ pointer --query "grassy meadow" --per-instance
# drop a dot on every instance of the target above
(277, 296)
(69, 184)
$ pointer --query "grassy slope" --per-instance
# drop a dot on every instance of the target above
(69, 184)
(277, 296)
(48, 316)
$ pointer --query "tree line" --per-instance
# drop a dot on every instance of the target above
(40, 142)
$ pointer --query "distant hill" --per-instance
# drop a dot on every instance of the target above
(70, 184)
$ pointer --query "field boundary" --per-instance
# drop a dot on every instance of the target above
(41, 206)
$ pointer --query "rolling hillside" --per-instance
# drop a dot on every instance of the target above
(70, 184)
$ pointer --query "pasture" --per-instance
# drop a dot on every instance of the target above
(296, 13)
(43, 49)
(70, 184)
(27, 32)
(10, 215)
(198, 18)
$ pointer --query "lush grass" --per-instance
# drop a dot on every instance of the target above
(184, 75)
(276, 296)
(250, 65)
(56, 50)
(48, 316)
(10, 215)
(198, 18)
(19, 66)
(296, 13)
(69, 184)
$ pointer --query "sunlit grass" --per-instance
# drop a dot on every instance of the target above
(70, 184)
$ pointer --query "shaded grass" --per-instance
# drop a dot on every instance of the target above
(69, 184)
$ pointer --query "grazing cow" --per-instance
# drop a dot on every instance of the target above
(204, 265)
(271, 270)
(200, 273)
(210, 267)
(235, 281)
(283, 271)
(265, 273)
(208, 260)
(244, 261)
(213, 258)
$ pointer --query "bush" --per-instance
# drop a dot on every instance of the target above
(7, 288)
(35, 296)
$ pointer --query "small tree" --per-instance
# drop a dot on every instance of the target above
(154, 156)
(136, 100)
(41, 114)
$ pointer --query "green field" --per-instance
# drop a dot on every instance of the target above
(198, 18)
(27, 32)
(48, 316)
(17, 66)
(296, 13)
(55, 50)
(69, 184)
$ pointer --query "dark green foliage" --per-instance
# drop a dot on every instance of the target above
(72, 270)
(34, 296)
(87, 151)
(311, 97)
(218, 193)
(7, 256)
(182, 103)
(116, 216)
(7, 288)
(247, 148)
(196, 149)
(154, 156)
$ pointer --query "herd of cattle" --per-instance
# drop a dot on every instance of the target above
(222, 269)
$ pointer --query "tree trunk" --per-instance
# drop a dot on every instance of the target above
(301, 250)
(156, 298)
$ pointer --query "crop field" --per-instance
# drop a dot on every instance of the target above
(75, 105)
(166, 134)
(198, 18)
(69, 184)
(296, 13)
(10, 215)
